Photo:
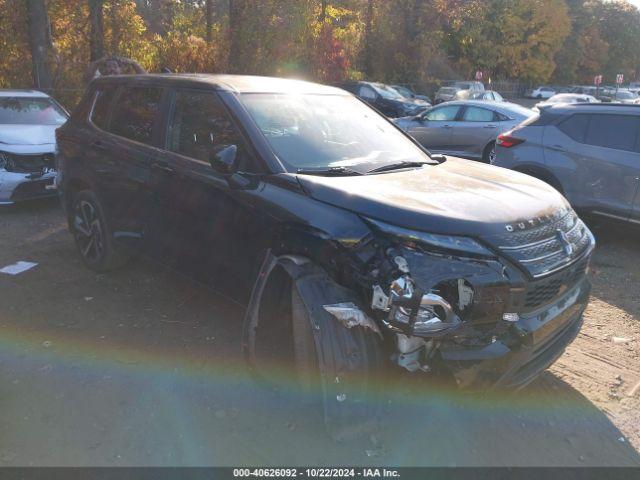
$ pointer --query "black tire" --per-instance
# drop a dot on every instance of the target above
(92, 234)
(539, 97)
(304, 349)
(489, 153)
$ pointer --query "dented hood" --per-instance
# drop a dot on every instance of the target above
(455, 197)
(27, 134)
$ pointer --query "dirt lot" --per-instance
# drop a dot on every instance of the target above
(142, 367)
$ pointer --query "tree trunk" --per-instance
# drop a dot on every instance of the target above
(40, 44)
(323, 11)
(368, 38)
(157, 15)
(209, 20)
(235, 20)
(96, 22)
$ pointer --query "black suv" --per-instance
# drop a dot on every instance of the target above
(385, 98)
(351, 246)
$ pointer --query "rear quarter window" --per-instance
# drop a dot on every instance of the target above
(103, 99)
(575, 127)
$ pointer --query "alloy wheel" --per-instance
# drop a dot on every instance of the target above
(89, 232)
(492, 155)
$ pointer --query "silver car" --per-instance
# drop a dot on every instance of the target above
(465, 128)
(28, 120)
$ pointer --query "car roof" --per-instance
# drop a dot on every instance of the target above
(6, 92)
(230, 83)
(502, 107)
(564, 108)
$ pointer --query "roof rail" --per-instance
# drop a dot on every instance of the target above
(602, 104)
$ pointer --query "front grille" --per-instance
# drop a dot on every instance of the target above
(545, 290)
(12, 162)
(546, 248)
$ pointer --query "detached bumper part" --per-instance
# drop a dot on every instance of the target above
(528, 347)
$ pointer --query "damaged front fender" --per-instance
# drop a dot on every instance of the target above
(346, 350)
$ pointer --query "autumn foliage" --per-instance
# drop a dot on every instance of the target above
(400, 41)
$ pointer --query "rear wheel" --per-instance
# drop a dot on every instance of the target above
(489, 153)
(92, 234)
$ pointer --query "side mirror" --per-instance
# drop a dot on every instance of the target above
(223, 159)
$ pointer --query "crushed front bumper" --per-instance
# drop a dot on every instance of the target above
(529, 346)
(16, 187)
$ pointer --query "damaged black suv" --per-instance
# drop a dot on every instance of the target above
(351, 246)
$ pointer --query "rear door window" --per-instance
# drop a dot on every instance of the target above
(613, 131)
(103, 100)
(136, 112)
(475, 114)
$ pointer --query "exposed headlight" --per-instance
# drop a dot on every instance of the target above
(417, 240)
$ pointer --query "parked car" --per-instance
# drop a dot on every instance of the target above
(487, 95)
(449, 92)
(384, 98)
(588, 152)
(407, 92)
(464, 128)
(543, 92)
(473, 85)
(346, 240)
(619, 96)
(565, 98)
(445, 94)
(28, 119)
(584, 89)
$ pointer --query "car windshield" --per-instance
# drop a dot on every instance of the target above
(328, 131)
(403, 91)
(387, 92)
(30, 111)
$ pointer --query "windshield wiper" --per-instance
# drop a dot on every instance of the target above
(328, 172)
(397, 166)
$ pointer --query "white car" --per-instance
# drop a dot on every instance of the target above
(28, 120)
(566, 98)
(543, 92)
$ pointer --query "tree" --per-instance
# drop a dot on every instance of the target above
(209, 19)
(96, 33)
(40, 44)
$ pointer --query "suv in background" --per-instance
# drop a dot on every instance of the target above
(448, 93)
(350, 245)
(385, 98)
(473, 85)
(590, 152)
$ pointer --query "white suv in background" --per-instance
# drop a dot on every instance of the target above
(28, 120)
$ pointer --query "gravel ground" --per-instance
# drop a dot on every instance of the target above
(142, 367)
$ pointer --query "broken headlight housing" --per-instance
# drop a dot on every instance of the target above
(434, 243)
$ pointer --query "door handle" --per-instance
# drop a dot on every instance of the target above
(165, 167)
(490, 126)
(447, 126)
(556, 148)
